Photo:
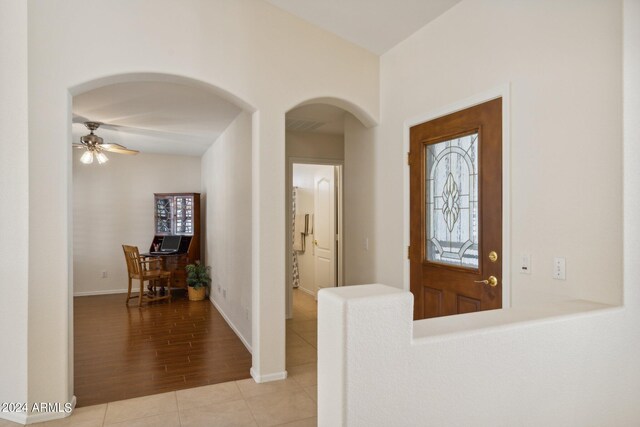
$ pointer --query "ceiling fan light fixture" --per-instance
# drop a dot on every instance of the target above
(91, 139)
(87, 157)
(94, 146)
(101, 157)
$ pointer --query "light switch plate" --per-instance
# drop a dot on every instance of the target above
(559, 268)
(525, 264)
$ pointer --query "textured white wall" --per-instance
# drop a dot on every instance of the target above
(226, 192)
(244, 48)
(14, 190)
(566, 155)
(528, 366)
(113, 205)
(571, 365)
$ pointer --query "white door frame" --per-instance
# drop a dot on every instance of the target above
(340, 207)
(497, 92)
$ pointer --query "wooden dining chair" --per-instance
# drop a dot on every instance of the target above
(146, 269)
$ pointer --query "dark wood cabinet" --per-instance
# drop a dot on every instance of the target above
(177, 214)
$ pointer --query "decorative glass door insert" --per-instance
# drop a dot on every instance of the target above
(163, 215)
(452, 201)
(184, 215)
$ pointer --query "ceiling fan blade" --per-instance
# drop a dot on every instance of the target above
(77, 118)
(79, 146)
(112, 126)
(117, 148)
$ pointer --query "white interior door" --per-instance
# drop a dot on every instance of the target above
(324, 230)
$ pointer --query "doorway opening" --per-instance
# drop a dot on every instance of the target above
(316, 213)
(183, 135)
(315, 163)
(316, 249)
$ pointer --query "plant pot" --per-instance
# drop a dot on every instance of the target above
(196, 294)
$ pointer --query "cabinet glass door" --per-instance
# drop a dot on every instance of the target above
(184, 215)
(164, 209)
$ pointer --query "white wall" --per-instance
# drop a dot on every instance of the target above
(562, 61)
(226, 192)
(308, 145)
(14, 190)
(243, 50)
(359, 202)
(304, 178)
(113, 205)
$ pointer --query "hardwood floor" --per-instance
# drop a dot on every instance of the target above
(123, 352)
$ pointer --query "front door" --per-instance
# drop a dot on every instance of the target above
(324, 227)
(456, 212)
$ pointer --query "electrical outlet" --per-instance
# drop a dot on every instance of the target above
(366, 244)
(219, 288)
(246, 313)
(224, 293)
(559, 268)
(104, 274)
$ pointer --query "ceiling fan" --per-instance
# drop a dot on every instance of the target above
(94, 146)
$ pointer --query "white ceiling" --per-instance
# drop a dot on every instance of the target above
(317, 118)
(155, 117)
(376, 25)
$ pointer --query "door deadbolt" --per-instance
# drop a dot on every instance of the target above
(493, 256)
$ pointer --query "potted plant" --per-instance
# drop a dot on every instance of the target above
(198, 280)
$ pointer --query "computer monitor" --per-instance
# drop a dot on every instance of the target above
(170, 243)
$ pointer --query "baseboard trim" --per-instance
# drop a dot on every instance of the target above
(104, 292)
(268, 377)
(15, 417)
(307, 291)
(231, 325)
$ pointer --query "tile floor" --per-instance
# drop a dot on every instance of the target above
(291, 402)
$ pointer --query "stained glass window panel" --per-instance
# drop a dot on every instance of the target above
(452, 201)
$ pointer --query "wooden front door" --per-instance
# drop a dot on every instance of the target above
(456, 212)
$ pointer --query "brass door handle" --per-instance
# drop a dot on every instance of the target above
(491, 281)
(315, 242)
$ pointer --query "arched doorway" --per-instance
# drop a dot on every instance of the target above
(174, 122)
(328, 189)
